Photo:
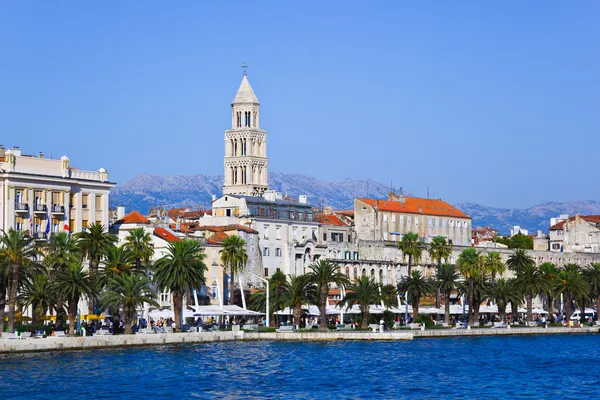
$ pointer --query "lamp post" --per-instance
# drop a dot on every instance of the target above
(266, 295)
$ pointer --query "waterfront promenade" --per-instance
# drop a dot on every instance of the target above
(98, 342)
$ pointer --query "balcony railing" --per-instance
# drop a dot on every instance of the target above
(39, 208)
(21, 206)
(58, 209)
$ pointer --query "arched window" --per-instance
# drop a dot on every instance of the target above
(380, 276)
(347, 272)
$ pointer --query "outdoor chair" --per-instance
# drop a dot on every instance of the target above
(25, 335)
(286, 328)
(499, 325)
(414, 326)
(250, 327)
(39, 333)
(445, 325)
(59, 334)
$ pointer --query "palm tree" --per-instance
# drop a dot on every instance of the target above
(129, 292)
(277, 285)
(38, 293)
(416, 286)
(118, 261)
(93, 244)
(530, 282)
(322, 273)
(233, 254)
(410, 246)
(389, 295)
(18, 252)
(4, 274)
(60, 252)
(439, 249)
(592, 274)
(298, 291)
(494, 264)
(446, 283)
(571, 283)
(519, 260)
(72, 283)
(139, 244)
(179, 271)
(550, 274)
(469, 265)
(503, 292)
(364, 291)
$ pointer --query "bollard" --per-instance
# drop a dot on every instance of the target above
(423, 328)
(380, 328)
(468, 327)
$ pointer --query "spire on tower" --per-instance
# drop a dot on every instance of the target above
(245, 94)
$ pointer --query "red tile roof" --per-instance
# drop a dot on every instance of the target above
(417, 205)
(225, 228)
(594, 219)
(166, 235)
(134, 217)
(217, 238)
(330, 220)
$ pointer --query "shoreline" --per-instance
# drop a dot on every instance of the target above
(49, 344)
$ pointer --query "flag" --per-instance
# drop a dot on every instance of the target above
(68, 230)
(30, 223)
(48, 221)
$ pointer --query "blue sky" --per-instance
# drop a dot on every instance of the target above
(490, 103)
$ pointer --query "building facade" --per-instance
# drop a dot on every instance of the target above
(578, 234)
(245, 164)
(389, 220)
(45, 196)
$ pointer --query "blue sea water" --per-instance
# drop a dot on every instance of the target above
(561, 366)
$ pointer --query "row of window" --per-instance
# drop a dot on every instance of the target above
(267, 252)
(431, 221)
(304, 233)
(348, 255)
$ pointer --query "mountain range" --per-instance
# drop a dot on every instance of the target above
(145, 191)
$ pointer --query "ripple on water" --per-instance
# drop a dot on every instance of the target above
(486, 367)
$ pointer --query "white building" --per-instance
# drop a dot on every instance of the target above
(517, 229)
(44, 196)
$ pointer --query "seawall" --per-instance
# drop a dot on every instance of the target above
(99, 342)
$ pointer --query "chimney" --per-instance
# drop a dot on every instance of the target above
(120, 212)
(40, 155)
(2, 150)
(16, 150)
(302, 199)
(327, 210)
(214, 197)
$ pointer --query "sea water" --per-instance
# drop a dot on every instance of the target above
(557, 366)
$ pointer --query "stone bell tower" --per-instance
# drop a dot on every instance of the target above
(245, 146)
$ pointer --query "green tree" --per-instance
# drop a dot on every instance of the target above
(72, 283)
(416, 286)
(139, 244)
(19, 253)
(410, 246)
(4, 275)
(550, 274)
(322, 274)
(233, 255)
(93, 244)
(503, 292)
(298, 291)
(470, 266)
(277, 286)
(129, 291)
(439, 249)
(530, 282)
(592, 275)
(364, 291)
(179, 271)
(572, 284)
(494, 264)
(38, 293)
(118, 260)
(446, 282)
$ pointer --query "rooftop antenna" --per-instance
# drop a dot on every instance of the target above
(428, 191)
(401, 191)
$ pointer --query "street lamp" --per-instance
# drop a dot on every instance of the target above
(266, 295)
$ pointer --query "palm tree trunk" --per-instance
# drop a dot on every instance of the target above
(91, 299)
(415, 309)
(128, 313)
(529, 299)
(323, 307)
(438, 294)
(275, 306)
(409, 264)
(297, 315)
(476, 306)
(502, 312)
(60, 312)
(471, 290)
(364, 323)
(177, 303)
(597, 308)
(514, 309)
(550, 301)
(2, 306)
(231, 286)
(13, 288)
(35, 311)
(447, 308)
(582, 306)
(568, 311)
(72, 315)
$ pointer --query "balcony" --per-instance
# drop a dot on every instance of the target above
(39, 236)
(21, 207)
(58, 209)
(39, 208)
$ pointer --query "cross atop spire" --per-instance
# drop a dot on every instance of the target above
(244, 67)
